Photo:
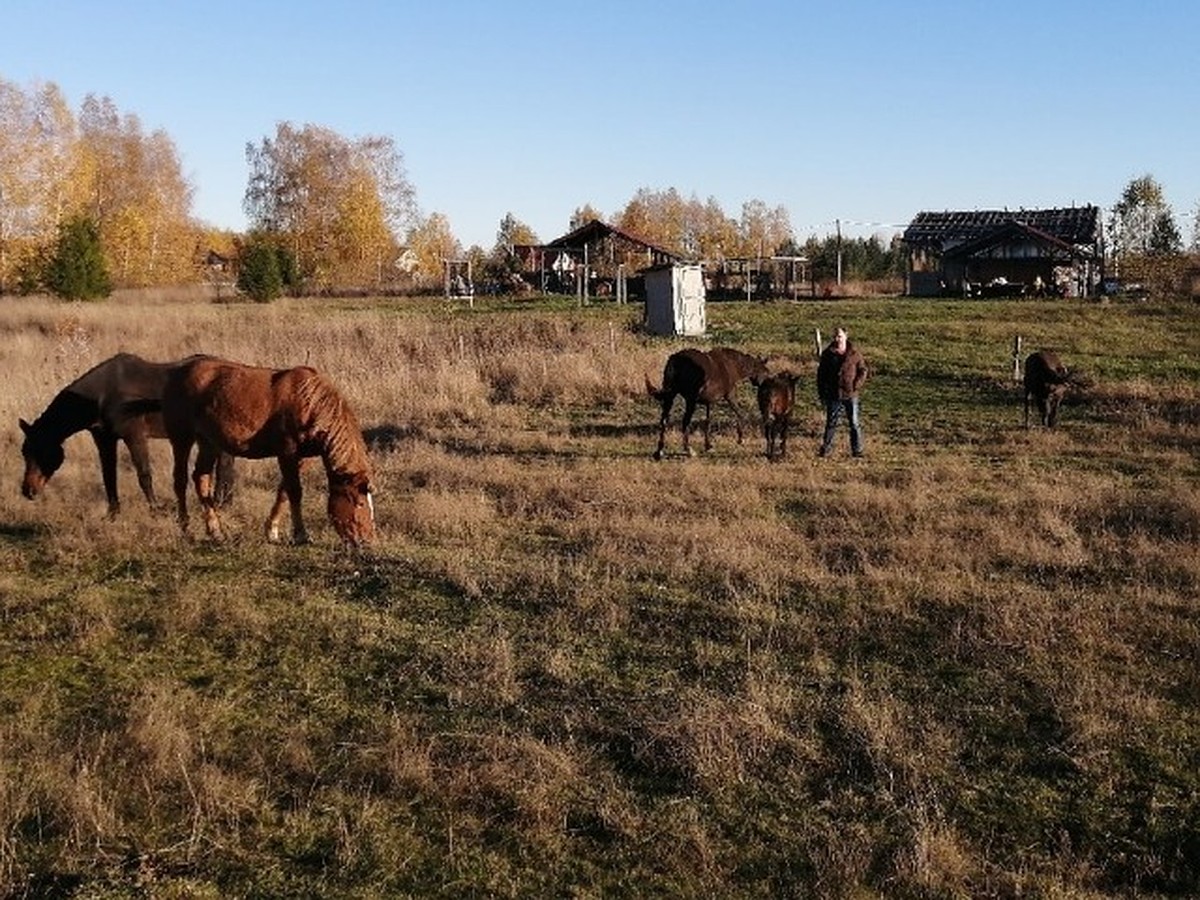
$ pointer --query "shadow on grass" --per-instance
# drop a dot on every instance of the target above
(23, 531)
(387, 437)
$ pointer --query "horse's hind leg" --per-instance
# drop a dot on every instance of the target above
(272, 526)
(1043, 408)
(1052, 403)
(181, 450)
(737, 417)
(139, 452)
(289, 492)
(106, 446)
(226, 478)
(708, 426)
(202, 475)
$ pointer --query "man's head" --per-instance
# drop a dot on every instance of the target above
(839, 339)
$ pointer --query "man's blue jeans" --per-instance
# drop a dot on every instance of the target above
(833, 414)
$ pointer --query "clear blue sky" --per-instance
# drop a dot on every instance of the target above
(856, 110)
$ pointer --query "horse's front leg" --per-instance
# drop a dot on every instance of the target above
(663, 421)
(290, 492)
(689, 410)
(106, 446)
(202, 475)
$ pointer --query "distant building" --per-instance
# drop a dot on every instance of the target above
(607, 254)
(1051, 252)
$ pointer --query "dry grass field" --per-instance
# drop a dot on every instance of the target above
(966, 665)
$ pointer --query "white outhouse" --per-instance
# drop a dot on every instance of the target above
(675, 300)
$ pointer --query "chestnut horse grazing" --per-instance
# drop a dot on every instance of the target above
(116, 400)
(253, 412)
(776, 395)
(705, 378)
(1046, 380)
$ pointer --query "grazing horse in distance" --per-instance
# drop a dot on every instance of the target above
(254, 412)
(776, 396)
(704, 378)
(1046, 380)
(116, 400)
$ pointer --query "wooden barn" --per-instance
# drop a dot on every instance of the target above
(1047, 252)
(596, 259)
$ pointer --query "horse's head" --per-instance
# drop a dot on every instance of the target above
(351, 509)
(43, 458)
(756, 370)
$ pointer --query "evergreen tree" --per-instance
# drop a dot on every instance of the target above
(77, 270)
(289, 272)
(1165, 239)
(259, 275)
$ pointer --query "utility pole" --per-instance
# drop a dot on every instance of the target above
(838, 223)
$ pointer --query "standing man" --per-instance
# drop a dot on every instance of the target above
(840, 376)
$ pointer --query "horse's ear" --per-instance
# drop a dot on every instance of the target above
(25, 426)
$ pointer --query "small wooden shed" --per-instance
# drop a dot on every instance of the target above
(675, 300)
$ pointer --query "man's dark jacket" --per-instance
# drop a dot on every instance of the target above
(840, 376)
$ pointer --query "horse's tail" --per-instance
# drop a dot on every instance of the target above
(656, 393)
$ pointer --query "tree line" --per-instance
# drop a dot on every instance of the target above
(64, 175)
(91, 200)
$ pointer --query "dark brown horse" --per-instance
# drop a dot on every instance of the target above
(117, 400)
(1046, 380)
(776, 396)
(253, 412)
(704, 378)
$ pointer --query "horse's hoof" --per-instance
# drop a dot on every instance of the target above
(300, 538)
(656, 455)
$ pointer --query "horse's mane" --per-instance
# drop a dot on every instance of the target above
(332, 423)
